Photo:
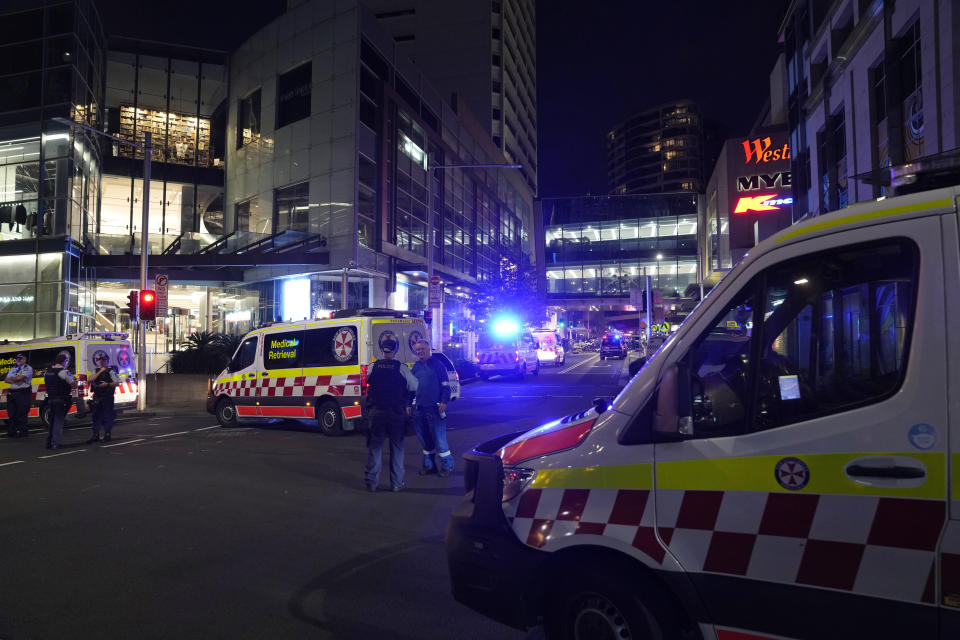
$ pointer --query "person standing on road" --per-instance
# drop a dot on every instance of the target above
(19, 396)
(58, 382)
(104, 384)
(430, 411)
(390, 386)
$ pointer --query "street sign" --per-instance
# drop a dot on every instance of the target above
(435, 293)
(160, 286)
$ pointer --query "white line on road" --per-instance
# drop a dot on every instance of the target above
(487, 397)
(207, 428)
(120, 444)
(167, 435)
(7, 464)
(539, 396)
(65, 453)
(579, 364)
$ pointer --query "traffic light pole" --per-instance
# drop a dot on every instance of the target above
(144, 254)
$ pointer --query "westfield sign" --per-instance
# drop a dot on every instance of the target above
(758, 150)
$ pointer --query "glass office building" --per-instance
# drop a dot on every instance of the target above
(599, 250)
(51, 66)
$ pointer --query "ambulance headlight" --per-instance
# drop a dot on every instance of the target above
(516, 480)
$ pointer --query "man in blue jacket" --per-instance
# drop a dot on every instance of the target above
(430, 411)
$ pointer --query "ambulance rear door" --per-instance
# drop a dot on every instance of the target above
(406, 331)
(949, 592)
(241, 382)
(804, 490)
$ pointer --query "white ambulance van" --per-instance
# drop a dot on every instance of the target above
(787, 465)
(310, 370)
(82, 349)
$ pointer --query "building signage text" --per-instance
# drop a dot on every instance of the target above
(759, 151)
(765, 181)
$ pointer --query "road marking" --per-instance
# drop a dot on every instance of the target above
(487, 397)
(579, 364)
(207, 428)
(555, 396)
(65, 453)
(120, 444)
(7, 464)
(540, 396)
(167, 435)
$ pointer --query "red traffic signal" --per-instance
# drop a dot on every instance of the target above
(133, 300)
(148, 305)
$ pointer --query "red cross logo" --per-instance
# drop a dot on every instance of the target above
(344, 342)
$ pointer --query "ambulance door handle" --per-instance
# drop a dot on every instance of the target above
(263, 373)
(900, 472)
(888, 472)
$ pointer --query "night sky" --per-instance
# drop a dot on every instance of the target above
(598, 63)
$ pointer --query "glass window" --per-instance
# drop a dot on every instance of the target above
(248, 119)
(282, 350)
(294, 89)
(293, 208)
(330, 347)
(41, 359)
(246, 355)
(835, 331)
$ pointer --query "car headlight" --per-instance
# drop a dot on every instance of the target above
(515, 480)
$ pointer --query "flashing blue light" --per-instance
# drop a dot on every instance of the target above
(505, 326)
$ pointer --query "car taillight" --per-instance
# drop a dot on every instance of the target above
(363, 379)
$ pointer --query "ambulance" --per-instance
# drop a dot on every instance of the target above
(506, 348)
(311, 370)
(82, 350)
(787, 465)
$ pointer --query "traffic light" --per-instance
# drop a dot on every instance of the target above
(148, 305)
(428, 316)
(562, 323)
(133, 300)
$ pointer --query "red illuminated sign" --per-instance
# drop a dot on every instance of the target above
(763, 202)
(759, 151)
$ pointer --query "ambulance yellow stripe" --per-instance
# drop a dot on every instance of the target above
(868, 215)
(280, 373)
(827, 475)
(625, 476)
(955, 472)
(329, 371)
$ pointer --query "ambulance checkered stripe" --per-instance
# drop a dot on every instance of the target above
(290, 387)
(848, 543)
(38, 392)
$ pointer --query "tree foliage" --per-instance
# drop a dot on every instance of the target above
(514, 292)
(204, 352)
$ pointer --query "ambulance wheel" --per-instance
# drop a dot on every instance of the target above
(601, 357)
(45, 417)
(226, 413)
(602, 607)
(521, 372)
(330, 418)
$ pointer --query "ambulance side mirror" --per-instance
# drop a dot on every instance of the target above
(672, 420)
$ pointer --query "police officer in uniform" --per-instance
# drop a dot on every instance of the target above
(388, 401)
(104, 384)
(58, 382)
(19, 396)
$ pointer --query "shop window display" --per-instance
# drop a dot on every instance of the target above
(187, 137)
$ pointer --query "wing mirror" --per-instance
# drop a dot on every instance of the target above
(601, 404)
(673, 419)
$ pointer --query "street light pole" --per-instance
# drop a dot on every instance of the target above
(436, 327)
(147, 149)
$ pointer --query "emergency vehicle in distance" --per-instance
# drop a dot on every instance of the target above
(613, 345)
(549, 349)
(312, 370)
(787, 465)
(506, 348)
(82, 349)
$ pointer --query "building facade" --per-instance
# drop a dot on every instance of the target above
(53, 67)
(599, 250)
(870, 85)
(485, 52)
(279, 170)
(658, 150)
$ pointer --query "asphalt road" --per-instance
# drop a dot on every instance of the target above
(181, 529)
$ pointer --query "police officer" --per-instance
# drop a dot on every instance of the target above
(430, 412)
(388, 397)
(19, 396)
(104, 383)
(58, 382)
